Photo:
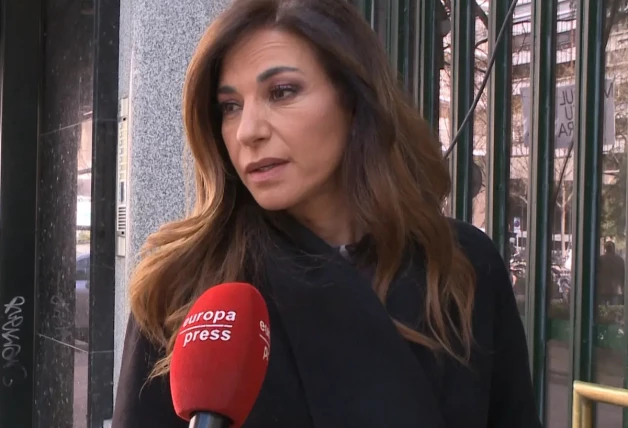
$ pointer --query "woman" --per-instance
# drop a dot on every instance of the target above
(317, 182)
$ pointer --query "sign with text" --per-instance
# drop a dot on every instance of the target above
(566, 114)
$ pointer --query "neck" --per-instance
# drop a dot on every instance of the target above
(330, 219)
(332, 229)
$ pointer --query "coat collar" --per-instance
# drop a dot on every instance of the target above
(355, 368)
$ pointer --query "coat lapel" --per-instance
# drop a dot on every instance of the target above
(355, 368)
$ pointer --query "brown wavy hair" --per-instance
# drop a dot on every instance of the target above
(392, 167)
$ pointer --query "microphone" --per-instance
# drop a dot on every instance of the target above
(220, 357)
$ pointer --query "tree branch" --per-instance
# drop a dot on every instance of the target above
(478, 11)
(481, 42)
(610, 22)
(481, 15)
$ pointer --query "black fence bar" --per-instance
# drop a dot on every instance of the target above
(462, 93)
(430, 58)
(541, 176)
(587, 181)
(499, 127)
(392, 30)
(386, 24)
(366, 8)
(20, 66)
(103, 221)
(406, 53)
(381, 22)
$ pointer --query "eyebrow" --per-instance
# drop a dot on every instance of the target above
(262, 77)
(265, 75)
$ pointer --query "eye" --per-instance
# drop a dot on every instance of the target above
(282, 92)
(228, 107)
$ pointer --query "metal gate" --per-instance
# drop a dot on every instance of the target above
(540, 165)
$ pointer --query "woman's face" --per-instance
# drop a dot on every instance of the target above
(283, 124)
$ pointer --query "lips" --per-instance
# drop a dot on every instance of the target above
(264, 165)
(265, 168)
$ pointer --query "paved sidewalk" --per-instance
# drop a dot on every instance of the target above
(609, 372)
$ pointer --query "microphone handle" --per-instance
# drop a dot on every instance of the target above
(209, 420)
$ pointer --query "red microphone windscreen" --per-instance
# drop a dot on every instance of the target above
(221, 353)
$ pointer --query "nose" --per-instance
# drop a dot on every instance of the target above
(253, 127)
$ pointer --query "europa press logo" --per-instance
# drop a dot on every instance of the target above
(208, 325)
(217, 326)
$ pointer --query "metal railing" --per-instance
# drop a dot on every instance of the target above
(585, 394)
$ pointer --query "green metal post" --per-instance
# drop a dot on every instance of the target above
(462, 92)
(366, 7)
(430, 46)
(392, 31)
(405, 53)
(542, 118)
(499, 128)
(385, 17)
(587, 182)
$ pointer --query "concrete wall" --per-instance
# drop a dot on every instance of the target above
(157, 39)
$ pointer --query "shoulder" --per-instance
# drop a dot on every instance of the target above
(489, 266)
(140, 401)
(476, 245)
(494, 301)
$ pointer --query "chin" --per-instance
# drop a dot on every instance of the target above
(273, 202)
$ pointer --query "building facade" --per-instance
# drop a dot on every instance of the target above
(529, 100)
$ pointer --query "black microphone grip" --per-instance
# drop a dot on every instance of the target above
(209, 420)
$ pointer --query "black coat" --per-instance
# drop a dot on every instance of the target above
(338, 361)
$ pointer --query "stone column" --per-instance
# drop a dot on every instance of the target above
(157, 39)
